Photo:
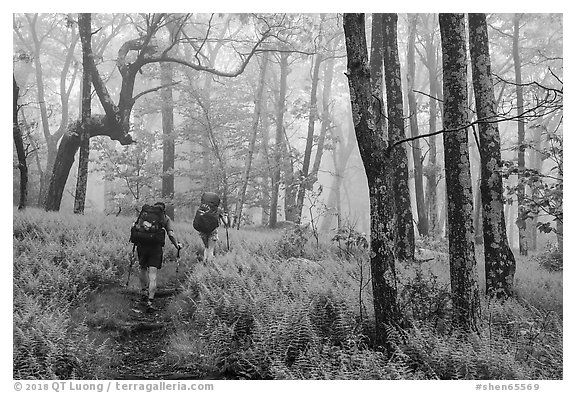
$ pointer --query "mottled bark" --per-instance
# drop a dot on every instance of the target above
(465, 294)
(399, 158)
(85, 29)
(500, 264)
(20, 151)
(279, 141)
(252, 143)
(520, 222)
(413, 114)
(168, 148)
(373, 145)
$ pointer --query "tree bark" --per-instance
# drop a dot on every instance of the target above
(20, 151)
(399, 159)
(500, 264)
(413, 109)
(252, 142)
(373, 148)
(280, 109)
(85, 29)
(465, 297)
(520, 222)
(168, 147)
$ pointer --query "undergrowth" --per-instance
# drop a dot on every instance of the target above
(274, 306)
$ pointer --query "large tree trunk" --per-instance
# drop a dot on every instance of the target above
(373, 147)
(499, 260)
(280, 108)
(252, 142)
(85, 28)
(399, 158)
(168, 147)
(20, 152)
(416, 150)
(521, 221)
(465, 297)
(97, 125)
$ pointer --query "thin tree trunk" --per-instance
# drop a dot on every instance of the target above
(281, 107)
(413, 113)
(268, 173)
(465, 294)
(432, 169)
(168, 148)
(326, 115)
(340, 157)
(404, 224)
(521, 221)
(20, 152)
(373, 145)
(252, 142)
(304, 182)
(85, 28)
(499, 260)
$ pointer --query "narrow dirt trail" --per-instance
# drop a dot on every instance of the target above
(137, 336)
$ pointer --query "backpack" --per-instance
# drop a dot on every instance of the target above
(149, 226)
(206, 218)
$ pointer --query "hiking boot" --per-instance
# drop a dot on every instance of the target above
(144, 295)
(150, 305)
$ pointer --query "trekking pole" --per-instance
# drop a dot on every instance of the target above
(177, 263)
(131, 263)
(226, 223)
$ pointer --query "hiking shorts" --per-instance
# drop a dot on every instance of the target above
(209, 236)
(149, 256)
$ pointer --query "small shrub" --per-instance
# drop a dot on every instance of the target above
(293, 241)
(551, 259)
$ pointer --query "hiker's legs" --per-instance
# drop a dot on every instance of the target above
(152, 272)
(209, 251)
(143, 278)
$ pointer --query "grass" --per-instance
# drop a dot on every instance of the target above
(274, 306)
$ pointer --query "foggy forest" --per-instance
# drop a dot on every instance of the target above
(391, 195)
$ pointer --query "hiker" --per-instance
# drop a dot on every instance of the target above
(207, 220)
(148, 236)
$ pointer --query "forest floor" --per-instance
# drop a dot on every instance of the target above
(137, 334)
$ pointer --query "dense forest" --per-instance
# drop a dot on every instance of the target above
(394, 183)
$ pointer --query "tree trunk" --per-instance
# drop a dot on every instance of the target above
(465, 297)
(416, 150)
(20, 152)
(168, 147)
(520, 222)
(268, 173)
(85, 28)
(304, 182)
(340, 157)
(372, 145)
(500, 264)
(432, 168)
(399, 158)
(536, 164)
(281, 107)
(252, 142)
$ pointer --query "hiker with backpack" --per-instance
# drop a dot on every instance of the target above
(206, 222)
(148, 235)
